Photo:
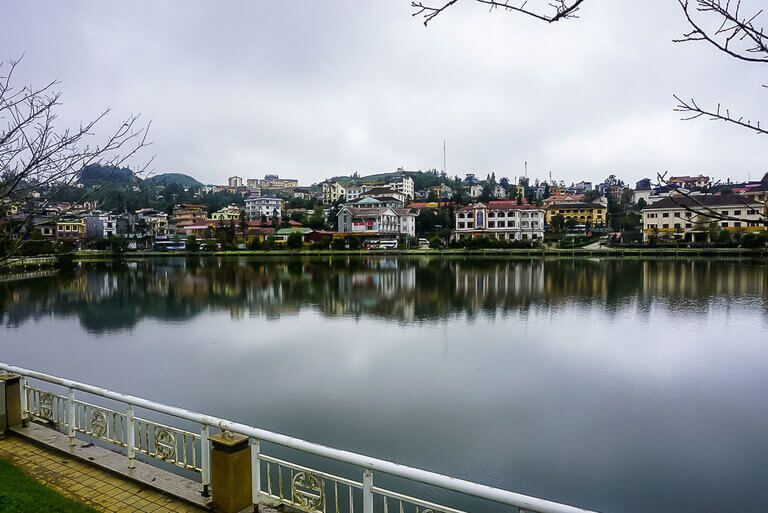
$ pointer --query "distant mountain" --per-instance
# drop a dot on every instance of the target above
(96, 174)
(166, 179)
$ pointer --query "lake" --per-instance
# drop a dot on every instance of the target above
(616, 385)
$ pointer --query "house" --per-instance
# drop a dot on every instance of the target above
(689, 182)
(234, 182)
(689, 217)
(499, 192)
(502, 220)
(370, 202)
(377, 221)
(386, 193)
(154, 221)
(70, 229)
(333, 192)
(255, 208)
(441, 191)
(475, 191)
(102, 225)
(283, 233)
(228, 213)
(272, 182)
(580, 212)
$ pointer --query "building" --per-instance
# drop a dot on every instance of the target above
(404, 185)
(475, 191)
(377, 221)
(441, 191)
(371, 202)
(102, 225)
(689, 218)
(234, 182)
(583, 213)
(385, 193)
(273, 182)
(499, 192)
(228, 213)
(689, 182)
(155, 223)
(502, 220)
(255, 208)
(333, 192)
(188, 214)
(70, 229)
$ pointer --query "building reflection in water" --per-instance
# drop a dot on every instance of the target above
(117, 296)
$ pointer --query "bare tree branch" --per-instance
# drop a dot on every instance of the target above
(39, 160)
(691, 110)
(560, 9)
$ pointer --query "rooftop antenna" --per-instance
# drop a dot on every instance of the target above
(526, 169)
(445, 165)
(550, 178)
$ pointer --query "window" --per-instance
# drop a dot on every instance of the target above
(724, 224)
(737, 212)
(491, 224)
(665, 225)
(737, 224)
(665, 214)
(724, 212)
(677, 226)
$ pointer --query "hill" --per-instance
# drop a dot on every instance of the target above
(96, 174)
(166, 179)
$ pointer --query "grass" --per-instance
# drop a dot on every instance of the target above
(20, 493)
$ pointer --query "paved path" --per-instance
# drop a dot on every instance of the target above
(84, 483)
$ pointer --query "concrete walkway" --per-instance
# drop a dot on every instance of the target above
(100, 489)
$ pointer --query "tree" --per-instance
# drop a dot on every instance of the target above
(591, 196)
(39, 161)
(294, 241)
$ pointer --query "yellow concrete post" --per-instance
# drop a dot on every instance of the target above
(230, 473)
(11, 400)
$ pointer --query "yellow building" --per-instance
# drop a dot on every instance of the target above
(230, 213)
(70, 229)
(582, 213)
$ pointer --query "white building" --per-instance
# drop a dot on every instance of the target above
(255, 208)
(235, 182)
(503, 220)
(403, 185)
(333, 192)
(499, 192)
(475, 191)
(377, 221)
(100, 225)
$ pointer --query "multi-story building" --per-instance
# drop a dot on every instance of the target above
(333, 192)
(502, 220)
(441, 191)
(235, 182)
(70, 229)
(499, 192)
(228, 213)
(154, 221)
(377, 221)
(475, 191)
(188, 214)
(255, 208)
(272, 182)
(101, 225)
(404, 185)
(689, 217)
(583, 213)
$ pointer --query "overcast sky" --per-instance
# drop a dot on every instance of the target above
(310, 89)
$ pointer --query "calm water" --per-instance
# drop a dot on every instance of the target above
(622, 386)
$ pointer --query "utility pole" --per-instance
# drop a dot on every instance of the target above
(445, 165)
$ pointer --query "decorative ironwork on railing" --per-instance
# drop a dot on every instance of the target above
(274, 481)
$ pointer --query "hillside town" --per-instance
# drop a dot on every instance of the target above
(398, 210)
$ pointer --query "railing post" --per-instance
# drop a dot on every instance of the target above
(255, 474)
(367, 491)
(71, 417)
(131, 437)
(205, 460)
(23, 401)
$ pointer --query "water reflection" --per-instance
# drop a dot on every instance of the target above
(117, 296)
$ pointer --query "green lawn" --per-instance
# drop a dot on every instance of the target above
(20, 493)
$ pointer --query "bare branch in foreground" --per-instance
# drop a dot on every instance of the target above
(563, 9)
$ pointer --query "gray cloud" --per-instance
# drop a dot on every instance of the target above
(311, 89)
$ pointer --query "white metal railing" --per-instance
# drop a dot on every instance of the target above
(274, 480)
